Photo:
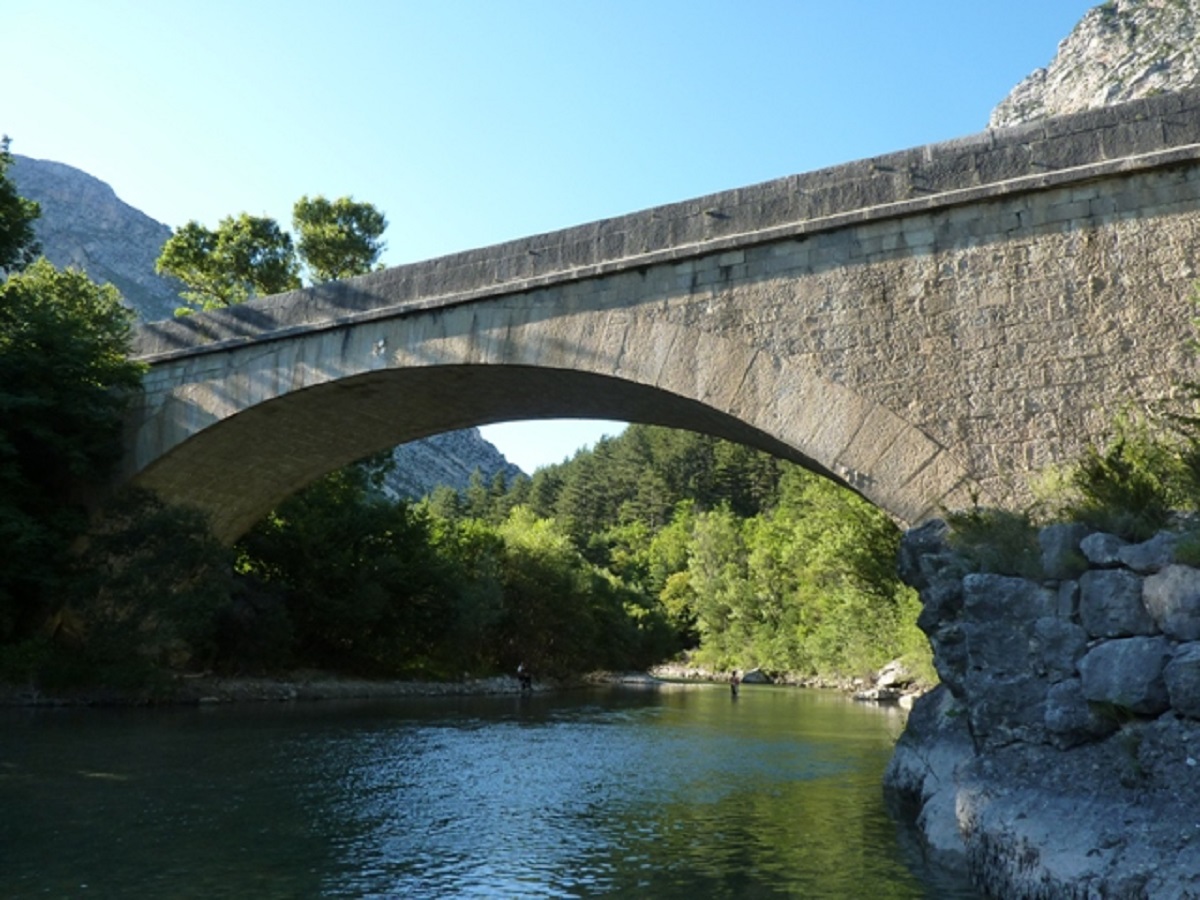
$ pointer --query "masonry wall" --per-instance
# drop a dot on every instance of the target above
(923, 326)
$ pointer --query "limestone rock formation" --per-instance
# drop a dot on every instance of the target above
(86, 225)
(1058, 756)
(1120, 50)
(446, 459)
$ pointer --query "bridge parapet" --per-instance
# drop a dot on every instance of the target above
(1149, 133)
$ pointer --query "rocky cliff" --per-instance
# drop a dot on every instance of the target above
(1058, 758)
(86, 225)
(1120, 50)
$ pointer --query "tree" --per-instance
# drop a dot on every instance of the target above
(245, 257)
(65, 380)
(18, 244)
(339, 238)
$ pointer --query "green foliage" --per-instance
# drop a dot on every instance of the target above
(250, 256)
(1130, 484)
(150, 586)
(65, 381)
(245, 257)
(998, 541)
(339, 238)
(364, 590)
(18, 244)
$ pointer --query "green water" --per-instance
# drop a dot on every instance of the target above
(622, 792)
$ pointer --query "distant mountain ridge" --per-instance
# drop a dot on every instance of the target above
(86, 225)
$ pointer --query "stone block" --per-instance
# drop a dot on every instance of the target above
(1069, 719)
(1005, 710)
(1110, 604)
(1152, 555)
(1172, 599)
(1182, 676)
(1004, 600)
(1057, 646)
(1061, 556)
(1128, 673)
(1102, 549)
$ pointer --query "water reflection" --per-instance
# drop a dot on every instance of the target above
(609, 793)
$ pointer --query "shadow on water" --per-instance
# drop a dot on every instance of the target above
(607, 792)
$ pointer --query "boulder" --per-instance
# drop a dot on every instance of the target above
(1102, 549)
(1110, 604)
(757, 676)
(1070, 720)
(1128, 673)
(894, 675)
(1182, 676)
(1057, 647)
(1004, 710)
(1005, 601)
(1152, 555)
(1061, 556)
(1172, 599)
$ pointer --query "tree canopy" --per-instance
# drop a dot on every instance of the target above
(18, 244)
(243, 258)
(339, 238)
(65, 379)
(250, 256)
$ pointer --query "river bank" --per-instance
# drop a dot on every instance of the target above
(889, 685)
(296, 686)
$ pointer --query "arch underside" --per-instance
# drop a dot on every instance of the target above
(239, 467)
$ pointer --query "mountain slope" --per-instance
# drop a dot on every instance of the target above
(1120, 50)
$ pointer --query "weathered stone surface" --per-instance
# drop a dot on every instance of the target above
(1068, 601)
(1061, 557)
(1005, 709)
(1120, 50)
(1003, 599)
(1057, 647)
(1152, 555)
(1102, 549)
(1069, 719)
(921, 772)
(1128, 673)
(1110, 604)
(941, 601)
(1182, 676)
(1172, 598)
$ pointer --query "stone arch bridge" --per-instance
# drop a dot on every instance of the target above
(928, 326)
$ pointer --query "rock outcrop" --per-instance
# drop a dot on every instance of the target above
(1120, 50)
(1059, 756)
(446, 459)
(85, 225)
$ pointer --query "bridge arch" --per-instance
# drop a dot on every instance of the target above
(276, 419)
(925, 326)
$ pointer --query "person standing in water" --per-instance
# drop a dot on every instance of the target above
(734, 681)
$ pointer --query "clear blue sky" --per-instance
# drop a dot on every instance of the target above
(471, 123)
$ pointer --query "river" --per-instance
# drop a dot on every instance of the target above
(623, 792)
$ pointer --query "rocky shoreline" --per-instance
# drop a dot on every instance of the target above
(1059, 756)
(892, 684)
